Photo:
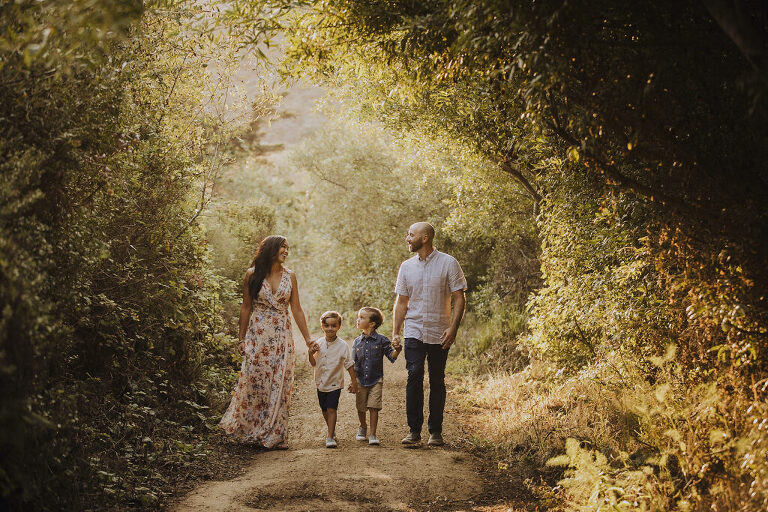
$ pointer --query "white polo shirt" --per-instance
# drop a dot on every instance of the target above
(334, 357)
(429, 283)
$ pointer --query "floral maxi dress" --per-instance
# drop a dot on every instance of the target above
(258, 412)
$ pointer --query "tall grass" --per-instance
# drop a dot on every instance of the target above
(614, 436)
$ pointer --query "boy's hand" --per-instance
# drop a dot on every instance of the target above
(352, 388)
(313, 348)
(396, 342)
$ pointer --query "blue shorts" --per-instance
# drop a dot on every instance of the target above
(329, 400)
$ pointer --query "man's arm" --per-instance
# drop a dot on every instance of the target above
(398, 318)
(457, 313)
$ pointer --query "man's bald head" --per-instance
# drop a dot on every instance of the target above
(420, 235)
(424, 229)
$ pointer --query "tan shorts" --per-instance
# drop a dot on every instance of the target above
(369, 397)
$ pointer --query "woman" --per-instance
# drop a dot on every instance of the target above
(258, 412)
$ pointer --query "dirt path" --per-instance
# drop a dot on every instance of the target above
(353, 476)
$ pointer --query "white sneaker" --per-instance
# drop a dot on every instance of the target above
(362, 432)
(373, 440)
(330, 442)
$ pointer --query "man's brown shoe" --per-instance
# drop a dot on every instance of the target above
(435, 439)
(412, 440)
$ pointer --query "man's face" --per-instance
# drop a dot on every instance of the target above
(414, 239)
(330, 327)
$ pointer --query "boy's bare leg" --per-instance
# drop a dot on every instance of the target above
(374, 420)
(361, 417)
(330, 420)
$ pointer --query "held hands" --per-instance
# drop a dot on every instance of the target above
(396, 344)
(352, 388)
(313, 347)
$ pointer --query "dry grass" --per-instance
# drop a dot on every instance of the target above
(522, 420)
(525, 417)
(613, 438)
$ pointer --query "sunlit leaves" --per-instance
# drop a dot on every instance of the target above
(108, 300)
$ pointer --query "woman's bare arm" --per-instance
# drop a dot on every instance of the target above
(298, 313)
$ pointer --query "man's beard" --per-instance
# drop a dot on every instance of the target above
(415, 246)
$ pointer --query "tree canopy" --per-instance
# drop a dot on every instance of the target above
(639, 130)
(598, 169)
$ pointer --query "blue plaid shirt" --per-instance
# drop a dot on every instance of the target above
(368, 353)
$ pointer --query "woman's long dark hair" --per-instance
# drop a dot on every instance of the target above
(266, 254)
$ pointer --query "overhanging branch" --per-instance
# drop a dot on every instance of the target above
(512, 169)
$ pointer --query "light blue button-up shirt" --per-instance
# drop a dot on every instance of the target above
(428, 284)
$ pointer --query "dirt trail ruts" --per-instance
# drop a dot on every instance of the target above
(354, 476)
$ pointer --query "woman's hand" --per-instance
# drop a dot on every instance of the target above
(241, 347)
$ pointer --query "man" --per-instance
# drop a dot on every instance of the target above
(426, 285)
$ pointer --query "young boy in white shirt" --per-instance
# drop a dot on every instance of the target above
(330, 356)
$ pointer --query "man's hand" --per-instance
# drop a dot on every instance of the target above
(396, 344)
(447, 338)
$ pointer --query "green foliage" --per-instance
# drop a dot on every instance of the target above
(689, 450)
(622, 147)
(243, 211)
(488, 341)
(586, 84)
(602, 291)
(640, 132)
(234, 230)
(111, 341)
(363, 195)
(490, 221)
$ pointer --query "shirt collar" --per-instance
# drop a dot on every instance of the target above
(373, 335)
(431, 255)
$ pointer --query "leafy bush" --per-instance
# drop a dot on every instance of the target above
(362, 198)
(112, 347)
(488, 340)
